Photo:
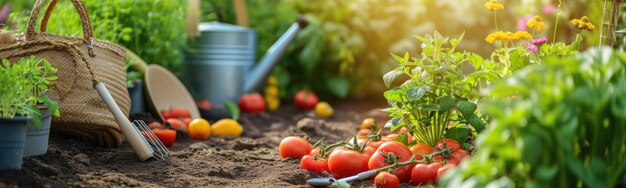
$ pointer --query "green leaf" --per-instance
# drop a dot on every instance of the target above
(392, 76)
(459, 134)
(393, 122)
(430, 107)
(52, 105)
(233, 109)
(466, 108)
(403, 138)
(415, 93)
(339, 86)
(446, 103)
(401, 59)
(341, 184)
(394, 94)
(476, 122)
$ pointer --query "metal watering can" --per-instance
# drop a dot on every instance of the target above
(222, 66)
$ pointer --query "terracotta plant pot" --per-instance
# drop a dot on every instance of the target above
(12, 141)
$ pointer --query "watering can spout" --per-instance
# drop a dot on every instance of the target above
(255, 76)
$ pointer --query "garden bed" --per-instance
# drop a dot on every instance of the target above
(251, 160)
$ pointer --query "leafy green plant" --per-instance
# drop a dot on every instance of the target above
(27, 82)
(563, 128)
(438, 100)
(154, 29)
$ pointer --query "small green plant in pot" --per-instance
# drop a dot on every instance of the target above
(16, 112)
(37, 77)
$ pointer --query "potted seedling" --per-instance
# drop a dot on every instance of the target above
(37, 76)
(16, 113)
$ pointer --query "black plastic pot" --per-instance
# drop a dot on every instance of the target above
(135, 91)
(12, 141)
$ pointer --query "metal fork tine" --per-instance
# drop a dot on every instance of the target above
(158, 149)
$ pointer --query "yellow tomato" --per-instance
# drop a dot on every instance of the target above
(199, 129)
(271, 91)
(272, 81)
(369, 122)
(227, 127)
(272, 103)
(323, 109)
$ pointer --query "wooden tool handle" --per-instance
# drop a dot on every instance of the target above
(241, 12)
(130, 132)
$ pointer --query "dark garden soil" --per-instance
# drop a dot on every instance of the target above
(249, 161)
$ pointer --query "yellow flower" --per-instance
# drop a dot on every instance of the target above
(508, 36)
(494, 5)
(583, 24)
(522, 35)
(536, 24)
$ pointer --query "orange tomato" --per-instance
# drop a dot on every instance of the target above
(199, 129)
(369, 122)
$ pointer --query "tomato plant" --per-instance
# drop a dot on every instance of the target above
(305, 100)
(381, 156)
(386, 180)
(294, 147)
(344, 162)
(251, 103)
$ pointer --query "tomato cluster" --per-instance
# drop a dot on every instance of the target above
(419, 164)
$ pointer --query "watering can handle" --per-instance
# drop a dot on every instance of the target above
(273, 55)
(241, 12)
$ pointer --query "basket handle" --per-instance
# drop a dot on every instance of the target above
(78, 5)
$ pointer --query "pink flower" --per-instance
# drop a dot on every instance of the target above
(539, 41)
(549, 9)
(521, 23)
(532, 48)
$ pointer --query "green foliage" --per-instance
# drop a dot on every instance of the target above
(154, 29)
(438, 98)
(564, 127)
(23, 86)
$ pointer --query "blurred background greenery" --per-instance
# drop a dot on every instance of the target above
(344, 51)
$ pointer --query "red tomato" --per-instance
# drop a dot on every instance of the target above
(251, 103)
(457, 157)
(442, 171)
(402, 151)
(204, 104)
(305, 100)
(450, 144)
(186, 121)
(177, 124)
(309, 163)
(368, 151)
(166, 136)
(180, 112)
(364, 132)
(343, 163)
(155, 125)
(167, 114)
(295, 147)
(421, 149)
(386, 180)
(425, 173)
(314, 152)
